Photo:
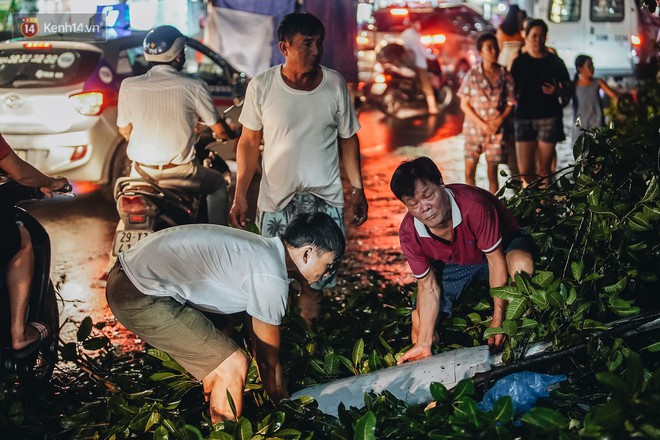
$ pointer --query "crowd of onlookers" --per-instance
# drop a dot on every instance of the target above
(513, 101)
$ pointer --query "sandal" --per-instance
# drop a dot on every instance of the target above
(44, 333)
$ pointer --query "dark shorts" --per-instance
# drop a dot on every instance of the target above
(178, 329)
(456, 278)
(549, 130)
(11, 238)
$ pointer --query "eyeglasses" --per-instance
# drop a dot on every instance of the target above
(330, 270)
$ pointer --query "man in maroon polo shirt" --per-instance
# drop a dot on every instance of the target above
(451, 236)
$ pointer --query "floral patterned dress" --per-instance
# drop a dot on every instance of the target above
(488, 101)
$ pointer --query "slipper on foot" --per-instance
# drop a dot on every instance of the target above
(44, 333)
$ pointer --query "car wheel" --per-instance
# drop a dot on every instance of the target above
(445, 97)
(119, 167)
(389, 103)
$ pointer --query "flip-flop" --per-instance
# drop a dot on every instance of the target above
(44, 333)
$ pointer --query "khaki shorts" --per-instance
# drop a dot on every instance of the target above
(182, 331)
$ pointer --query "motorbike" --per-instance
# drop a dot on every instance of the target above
(145, 205)
(395, 85)
(35, 362)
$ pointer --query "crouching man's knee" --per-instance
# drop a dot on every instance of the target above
(230, 377)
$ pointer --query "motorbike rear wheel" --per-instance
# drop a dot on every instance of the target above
(389, 103)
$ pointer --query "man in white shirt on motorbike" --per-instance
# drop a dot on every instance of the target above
(158, 113)
(411, 41)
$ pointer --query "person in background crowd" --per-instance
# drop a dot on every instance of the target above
(542, 87)
(217, 269)
(587, 102)
(158, 113)
(509, 36)
(487, 100)
(452, 236)
(16, 253)
(411, 41)
(305, 115)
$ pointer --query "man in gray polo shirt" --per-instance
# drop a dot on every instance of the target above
(159, 288)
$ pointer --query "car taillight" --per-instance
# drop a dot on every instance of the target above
(37, 45)
(427, 40)
(635, 40)
(362, 40)
(134, 205)
(91, 103)
(399, 12)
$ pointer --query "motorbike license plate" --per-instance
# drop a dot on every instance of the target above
(124, 240)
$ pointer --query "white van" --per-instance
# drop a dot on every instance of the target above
(618, 34)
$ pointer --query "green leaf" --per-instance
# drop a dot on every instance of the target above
(439, 392)
(365, 428)
(555, 300)
(516, 308)
(639, 222)
(288, 433)
(243, 430)
(572, 296)
(153, 419)
(507, 293)
(527, 323)
(232, 405)
(475, 318)
(463, 388)
(652, 191)
(374, 361)
(161, 434)
(96, 343)
(492, 331)
(613, 383)
(316, 366)
(159, 354)
(545, 419)
(358, 352)
(610, 415)
(85, 329)
(510, 327)
(163, 375)
(385, 345)
(543, 278)
(634, 374)
(653, 348)
(522, 282)
(389, 359)
(69, 352)
(577, 269)
(271, 423)
(331, 363)
(503, 410)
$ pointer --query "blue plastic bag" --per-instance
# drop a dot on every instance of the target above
(524, 388)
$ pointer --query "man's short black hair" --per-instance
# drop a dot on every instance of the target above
(536, 22)
(299, 23)
(317, 229)
(409, 172)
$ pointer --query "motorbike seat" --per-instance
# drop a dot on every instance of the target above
(139, 185)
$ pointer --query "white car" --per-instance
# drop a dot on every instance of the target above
(58, 99)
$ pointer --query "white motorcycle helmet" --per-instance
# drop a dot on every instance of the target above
(163, 43)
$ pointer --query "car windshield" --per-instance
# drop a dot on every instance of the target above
(45, 67)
